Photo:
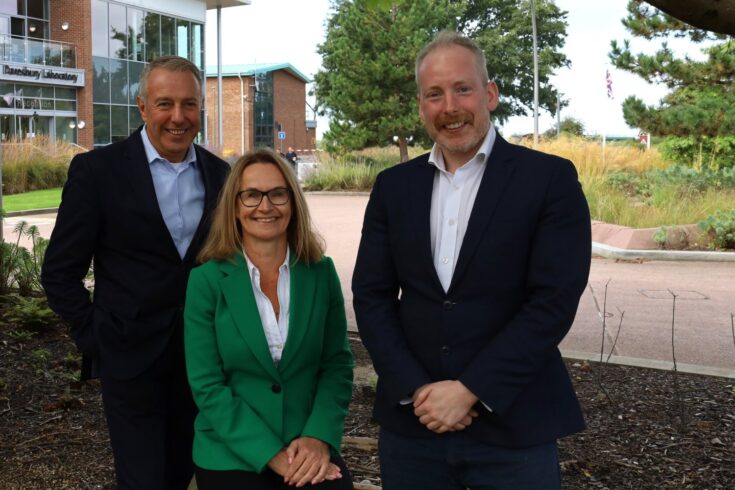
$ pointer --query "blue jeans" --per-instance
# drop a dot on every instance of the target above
(455, 461)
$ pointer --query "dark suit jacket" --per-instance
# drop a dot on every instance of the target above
(521, 270)
(249, 407)
(109, 212)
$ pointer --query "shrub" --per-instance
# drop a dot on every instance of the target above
(30, 312)
(41, 164)
(720, 226)
(356, 171)
(20, 267)
(700, 153)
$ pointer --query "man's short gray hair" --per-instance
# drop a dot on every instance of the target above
(170, 63)
(450, 38)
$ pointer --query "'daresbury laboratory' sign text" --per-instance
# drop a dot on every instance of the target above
(53, 75)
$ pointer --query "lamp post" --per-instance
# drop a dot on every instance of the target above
(1, 193)
(535, 74)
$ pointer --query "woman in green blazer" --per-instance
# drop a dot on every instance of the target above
(265, 335)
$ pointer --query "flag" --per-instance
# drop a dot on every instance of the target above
(608, 82)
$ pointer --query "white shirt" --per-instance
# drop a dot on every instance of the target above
(275, 329)
(452, 199)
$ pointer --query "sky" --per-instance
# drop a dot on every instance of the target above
(288, 31)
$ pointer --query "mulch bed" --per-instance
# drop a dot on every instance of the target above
(647, 429)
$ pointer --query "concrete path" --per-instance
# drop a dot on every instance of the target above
(705, 295)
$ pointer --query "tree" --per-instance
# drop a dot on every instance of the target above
(702, 96)
(569, 126)
(367, 83)
(711, 15)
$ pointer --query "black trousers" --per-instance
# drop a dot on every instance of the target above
(268, 480)
(151, 423)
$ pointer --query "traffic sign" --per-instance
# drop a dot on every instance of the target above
(281, 135)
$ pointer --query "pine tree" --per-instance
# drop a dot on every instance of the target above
(367, 84)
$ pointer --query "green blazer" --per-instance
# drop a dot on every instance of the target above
(249, 408)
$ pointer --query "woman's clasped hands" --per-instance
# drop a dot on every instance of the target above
(305, 460)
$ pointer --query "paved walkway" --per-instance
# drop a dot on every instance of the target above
(705, 296)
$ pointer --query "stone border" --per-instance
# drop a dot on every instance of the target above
(610, 252)
(651, 364)
(31, 212)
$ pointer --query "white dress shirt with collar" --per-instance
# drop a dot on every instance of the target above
(275, 329)
(452, 199)
(180, 192)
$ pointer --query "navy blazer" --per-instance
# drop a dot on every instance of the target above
(109, 212)
(522, 268)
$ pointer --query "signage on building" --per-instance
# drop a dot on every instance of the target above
(34, 73)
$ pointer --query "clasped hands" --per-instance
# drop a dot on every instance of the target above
(444, 406)
(305, 460)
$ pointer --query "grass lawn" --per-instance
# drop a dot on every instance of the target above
(48, 198)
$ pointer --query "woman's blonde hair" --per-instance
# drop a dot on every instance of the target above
(225, 235)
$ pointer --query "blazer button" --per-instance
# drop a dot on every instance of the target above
(276, 388)
(447, 305)
(445, 350)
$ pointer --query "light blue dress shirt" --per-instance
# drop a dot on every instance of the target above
(180, 193)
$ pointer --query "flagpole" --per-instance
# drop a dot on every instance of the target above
(608, 85)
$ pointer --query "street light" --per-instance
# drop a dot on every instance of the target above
(535, 75)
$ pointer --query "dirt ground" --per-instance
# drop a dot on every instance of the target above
(647, 429)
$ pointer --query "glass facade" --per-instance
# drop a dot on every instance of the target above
(124, 38)
(24, 110)
(28, 110)
(263, 109)
(24, 34)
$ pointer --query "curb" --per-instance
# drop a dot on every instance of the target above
(651, 364)
(611, 252)
(338, 193)
(31, 212)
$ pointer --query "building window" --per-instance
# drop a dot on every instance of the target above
(101, 114)
(263, 109)
(99, 28)
(136, 31)
(168, 36)
(118, 32)
(152, 36)
(125, 37)
(183, 40)
(101, 82)
(119, 82)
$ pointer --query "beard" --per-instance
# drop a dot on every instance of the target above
(477, 127)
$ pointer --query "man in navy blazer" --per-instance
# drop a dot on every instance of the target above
(469, 272)
(140, 208)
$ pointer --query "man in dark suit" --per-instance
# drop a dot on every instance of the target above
(469, 272)
(140, 208)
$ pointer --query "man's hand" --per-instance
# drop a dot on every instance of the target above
(444, 406)
(308, 462)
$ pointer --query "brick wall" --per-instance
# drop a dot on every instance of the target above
(79, 16)
(289, 97)
(289, 102)
(232, 120)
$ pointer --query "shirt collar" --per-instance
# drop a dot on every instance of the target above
(253, 269)
(436, 157)
(152, 154)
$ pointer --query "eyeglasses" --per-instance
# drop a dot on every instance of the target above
(251, 198)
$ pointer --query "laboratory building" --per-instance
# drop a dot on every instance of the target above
(69, 69)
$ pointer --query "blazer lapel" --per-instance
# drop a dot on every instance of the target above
(498, 172)
(238, 292)
(421, 188)
(211, 193)
(303, 289)
(139, 173)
